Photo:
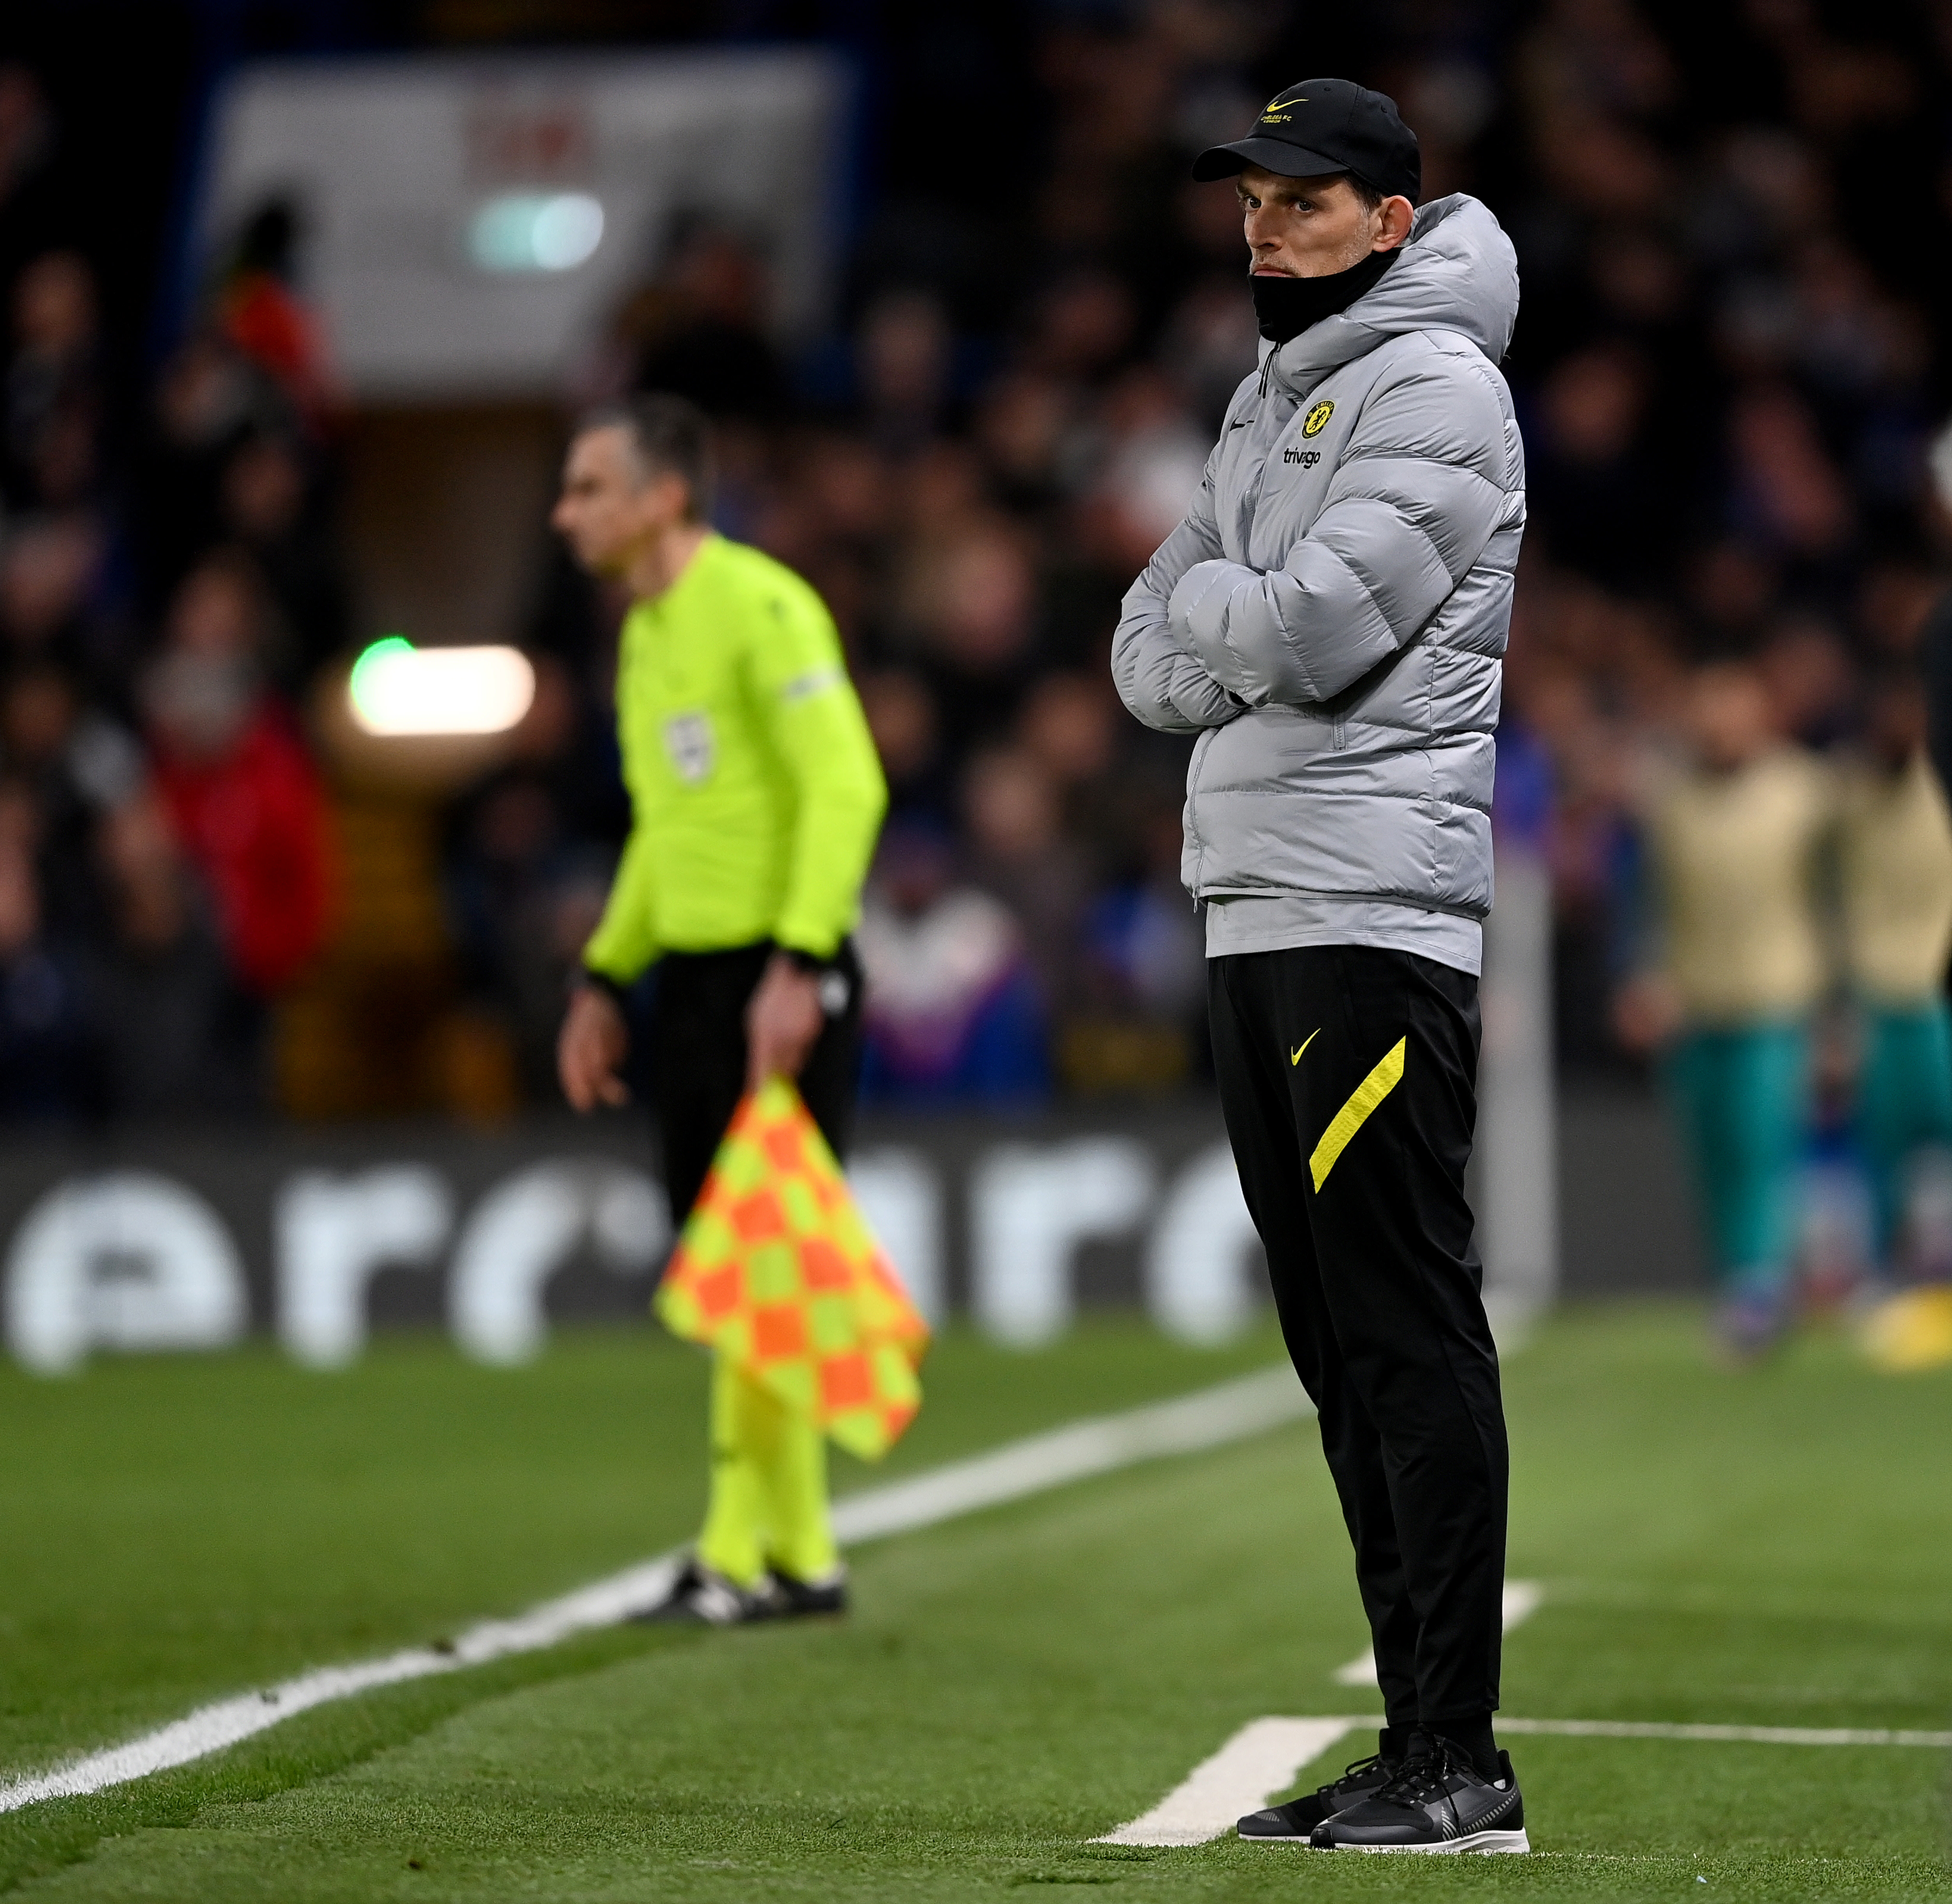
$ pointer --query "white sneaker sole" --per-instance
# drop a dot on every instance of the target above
(1480, 1841)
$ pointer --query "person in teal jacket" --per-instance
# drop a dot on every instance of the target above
(756, 796)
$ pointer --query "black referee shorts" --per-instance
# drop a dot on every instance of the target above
(1349, 1078)
(698, 1058)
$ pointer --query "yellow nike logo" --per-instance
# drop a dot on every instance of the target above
(1294, 1056)
(1281, 105)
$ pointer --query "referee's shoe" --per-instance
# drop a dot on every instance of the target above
(1293, 1823)
(1438, 1801)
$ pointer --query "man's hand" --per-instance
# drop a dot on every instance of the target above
(1646, 1013)
(592, 1043)
(782, 1019)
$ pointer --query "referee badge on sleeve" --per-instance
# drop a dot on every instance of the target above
(689, 742)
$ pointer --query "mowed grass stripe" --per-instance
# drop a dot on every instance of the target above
(1008, 1688)
(1230, 1411)
(175, 1528)
(1770, 1551)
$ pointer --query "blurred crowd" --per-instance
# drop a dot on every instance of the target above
(168, 581)
(1727, 222)
(1729, 381)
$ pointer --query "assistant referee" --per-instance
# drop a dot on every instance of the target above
(756, 796)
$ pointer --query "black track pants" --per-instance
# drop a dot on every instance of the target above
(1349, 1079)
(699, 1059)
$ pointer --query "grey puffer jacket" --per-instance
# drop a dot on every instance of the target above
(1333, 610)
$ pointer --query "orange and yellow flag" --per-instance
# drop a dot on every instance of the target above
(778, 1269)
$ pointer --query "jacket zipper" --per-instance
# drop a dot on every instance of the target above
(1201, 748)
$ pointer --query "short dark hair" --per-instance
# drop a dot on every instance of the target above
(667, 436)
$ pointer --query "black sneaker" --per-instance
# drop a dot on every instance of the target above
(1439, 1802)
(793, 1599)
(700, 1597)
(1291, 1823)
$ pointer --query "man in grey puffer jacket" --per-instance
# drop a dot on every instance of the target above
(1329, 619)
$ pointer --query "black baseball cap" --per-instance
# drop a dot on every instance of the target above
(1323, 126)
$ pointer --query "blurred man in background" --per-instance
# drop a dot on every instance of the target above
(241, 792)
(1732, 967)
(1331, 613)
(756, 798)
(1895, 849)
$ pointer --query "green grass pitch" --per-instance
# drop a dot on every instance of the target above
(1773, 1548)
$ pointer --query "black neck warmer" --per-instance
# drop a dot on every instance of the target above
(1287, 306)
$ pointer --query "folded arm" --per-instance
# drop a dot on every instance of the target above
(1159, 678)
(1416, 497)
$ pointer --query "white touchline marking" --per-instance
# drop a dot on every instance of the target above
(1266, 1756)
(1522, 1602)
(1723, 1735)
(1209, 1418)
(1260, 1760)
(209, 1728)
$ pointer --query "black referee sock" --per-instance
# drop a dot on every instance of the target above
(1473, 1738)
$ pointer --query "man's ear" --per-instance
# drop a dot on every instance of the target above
(1394, 216)
(667, 496)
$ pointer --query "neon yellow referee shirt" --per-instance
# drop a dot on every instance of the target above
(755, 794)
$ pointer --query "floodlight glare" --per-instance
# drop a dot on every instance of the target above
(532, 231)
(396, 689)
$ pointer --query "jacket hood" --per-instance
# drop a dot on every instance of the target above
(1457, 272)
